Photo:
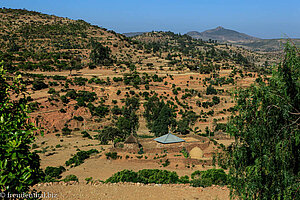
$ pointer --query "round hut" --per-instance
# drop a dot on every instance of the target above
(131, 142)
(196, 153)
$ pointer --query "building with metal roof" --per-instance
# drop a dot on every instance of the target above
(168, 139)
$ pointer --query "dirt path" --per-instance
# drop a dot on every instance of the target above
(134, 192)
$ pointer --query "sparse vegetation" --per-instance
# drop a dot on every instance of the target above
(70, 177)
(79, 157)
(147, 86)
(53, 173)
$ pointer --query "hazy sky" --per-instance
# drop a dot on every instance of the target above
(260, 18)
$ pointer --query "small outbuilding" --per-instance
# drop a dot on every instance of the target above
(196, 153)
(168, 139)
(131, 142)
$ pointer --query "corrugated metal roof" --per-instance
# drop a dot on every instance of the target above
(169, 138)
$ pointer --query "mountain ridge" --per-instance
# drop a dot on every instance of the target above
(222, 34)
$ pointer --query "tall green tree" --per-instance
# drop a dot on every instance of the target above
(264, 160)
(100, 55)
(19, 167)
(159, 115)
(129, 122)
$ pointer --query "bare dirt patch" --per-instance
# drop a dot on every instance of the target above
(135, 192)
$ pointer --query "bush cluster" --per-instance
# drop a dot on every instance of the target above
(209, 177)
(86, 134)
(112, 155)
(70, 177)
(79, 157)
(53, 173)
(146, 176)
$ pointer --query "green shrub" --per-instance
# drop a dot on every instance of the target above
(89, 180)
(196, 174)
(216, 100)
(145, 176)
(116, 110)
(114, 101)
(141, 151)
(157, 176)
(86, 134)
(99, 111)
(80, 81)
(184, 152)
(211, 90)
(166, 163)
(201, 182)
(117, 79)
(70, 177)
(66, 131)
(62, 110)
(218, 176)
(38, 85)
(64, 99)
(112, 155)
(51, 91)
(184, 179)
(79, 157)
(221, 126)
(54, 172)
(79, 118)
(57, 77)
(123, 176)
(209, 177)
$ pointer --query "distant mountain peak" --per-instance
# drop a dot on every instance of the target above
(222, 34)
(219, 28)
(132, 34)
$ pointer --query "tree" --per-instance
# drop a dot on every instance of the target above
(109, 134)
(75, 64)
(183, 126)
(163, 121)
(129, 122)
(188, 119)
(211, 90)
(100, 55)
(19, 167)
(39, 85)
(159, 116)
(264, 160)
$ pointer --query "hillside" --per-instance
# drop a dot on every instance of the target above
(268, 45)
(243, 40)
(132, 34)
(48, 49)
(222, 34)
(48, 43)
(91, 88)
(236, 38)
(187, 45)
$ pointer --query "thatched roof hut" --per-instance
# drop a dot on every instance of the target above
(131, 140)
